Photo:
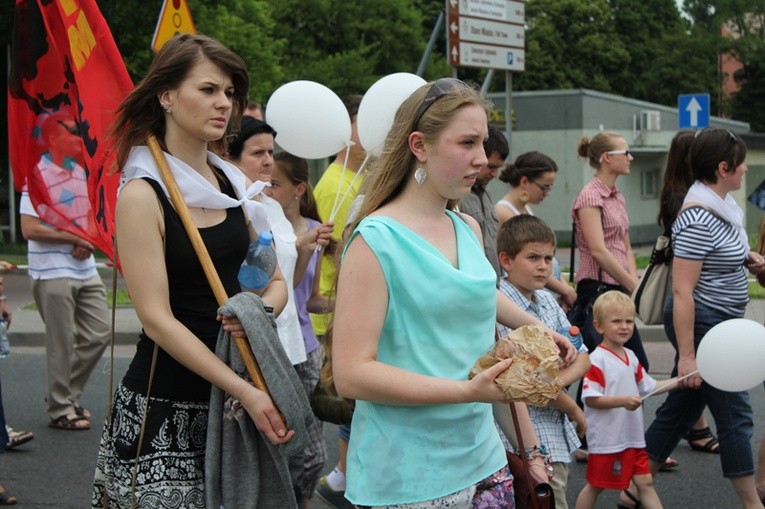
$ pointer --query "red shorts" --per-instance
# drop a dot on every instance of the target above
(614, 471)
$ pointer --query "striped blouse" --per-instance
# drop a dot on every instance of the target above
(700, 235)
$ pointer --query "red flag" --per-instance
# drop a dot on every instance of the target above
(67, 78)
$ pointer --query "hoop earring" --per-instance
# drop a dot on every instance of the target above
(420, 174)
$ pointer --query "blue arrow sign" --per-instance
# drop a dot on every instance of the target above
(693, 111)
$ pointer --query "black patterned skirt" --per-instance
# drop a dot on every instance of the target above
(171, 465)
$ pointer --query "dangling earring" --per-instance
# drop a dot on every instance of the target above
(420, 175)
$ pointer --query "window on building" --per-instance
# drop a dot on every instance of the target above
(649, 183)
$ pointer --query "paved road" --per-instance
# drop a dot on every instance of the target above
(55, 470)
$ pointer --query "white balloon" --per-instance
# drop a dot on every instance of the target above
(379, 105)
(310, 119)
(730, 356)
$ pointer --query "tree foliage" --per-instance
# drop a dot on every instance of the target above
(637, 48)
(345, 45)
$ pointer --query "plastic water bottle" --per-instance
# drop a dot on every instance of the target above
(5, 347)
(573, 334)
(259, 264)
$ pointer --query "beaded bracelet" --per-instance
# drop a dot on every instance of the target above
(541, 452)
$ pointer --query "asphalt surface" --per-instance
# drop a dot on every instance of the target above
(55, 470)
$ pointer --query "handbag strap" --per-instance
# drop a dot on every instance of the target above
(572, 258)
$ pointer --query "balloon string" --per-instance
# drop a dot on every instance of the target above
(688, 375)
(342, 177)
(350, 186)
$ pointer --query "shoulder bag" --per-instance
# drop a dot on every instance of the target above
(652, 290)
(530, 491)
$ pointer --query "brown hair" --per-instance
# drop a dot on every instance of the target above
(296, 170)
(530, 165)
(522, 229)
(593, 149)
(140, 113)
(677, 178)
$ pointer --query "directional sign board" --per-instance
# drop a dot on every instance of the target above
(175, 18)
(486, 33)
(693, 111)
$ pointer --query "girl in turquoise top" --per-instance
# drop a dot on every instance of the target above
(416, 306)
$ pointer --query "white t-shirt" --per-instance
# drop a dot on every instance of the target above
(288, 324)
(615, 429)
(50, 260)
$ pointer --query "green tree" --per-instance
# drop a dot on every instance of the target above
(347, 46)
(571, 44)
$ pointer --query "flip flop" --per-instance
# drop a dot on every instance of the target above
(66, 423)
(669, 464)
(633, 498)
(16, 438)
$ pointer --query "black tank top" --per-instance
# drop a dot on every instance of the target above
(191, 298)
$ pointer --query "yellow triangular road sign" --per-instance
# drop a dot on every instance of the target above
(175, 18)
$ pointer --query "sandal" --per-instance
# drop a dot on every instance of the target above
(16, 438)
(5, 498)
(67, 423)
(710, 445)
(633, 498)
(82, 412)
(669, 464)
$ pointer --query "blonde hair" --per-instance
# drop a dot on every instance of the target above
(609, 301)
(389, 173)
(593, 149)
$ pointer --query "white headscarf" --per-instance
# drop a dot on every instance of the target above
(728, 209)
(196, 190)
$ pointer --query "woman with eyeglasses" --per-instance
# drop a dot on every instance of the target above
(531, 177)
(416, 306)
(709, 286)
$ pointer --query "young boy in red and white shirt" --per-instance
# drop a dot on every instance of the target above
(612, 390)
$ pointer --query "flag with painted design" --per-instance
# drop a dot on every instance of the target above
(67, 79)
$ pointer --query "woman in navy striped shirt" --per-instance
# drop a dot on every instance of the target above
(709, 286)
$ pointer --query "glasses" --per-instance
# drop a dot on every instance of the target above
(73, 129)
(625, 153)
(716, 129)
(545, 188)
(437, 90)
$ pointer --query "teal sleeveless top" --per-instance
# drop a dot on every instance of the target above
(439, 321)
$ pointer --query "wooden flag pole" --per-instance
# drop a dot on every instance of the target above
(204, 258)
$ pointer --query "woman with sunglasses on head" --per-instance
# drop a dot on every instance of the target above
(416, 306)
(606, 260)
(531, 177)
(601, 226)
(709, 286)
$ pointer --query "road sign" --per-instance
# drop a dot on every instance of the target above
(693, 111)
(486, 33)
(174, 18)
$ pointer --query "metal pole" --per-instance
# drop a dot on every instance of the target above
(431, 44)
(11, 193)
(487, 82)
(509, 108)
